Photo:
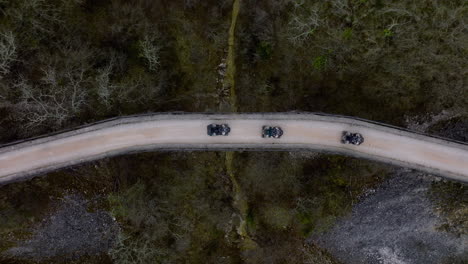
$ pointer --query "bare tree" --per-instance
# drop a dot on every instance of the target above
(35, 15)
(104, 86)
(59, 96)
(7, 52)
(150, 52)
(303, 23)
(140, 250)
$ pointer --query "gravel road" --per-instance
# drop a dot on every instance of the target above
(188, 131)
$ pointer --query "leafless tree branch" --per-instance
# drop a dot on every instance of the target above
(7, 51)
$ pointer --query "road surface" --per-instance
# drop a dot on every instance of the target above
(302, 131)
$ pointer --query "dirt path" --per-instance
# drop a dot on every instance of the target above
(240, 202)
(230, 80)
(166, 131)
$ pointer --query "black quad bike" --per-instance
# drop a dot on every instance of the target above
(271, 132)
(218, 129)
(352, 138)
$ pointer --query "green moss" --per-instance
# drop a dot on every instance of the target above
(277, 217)
(252, 222)
(319, 63)
(387, 33)
(265, 50)
(347, 33)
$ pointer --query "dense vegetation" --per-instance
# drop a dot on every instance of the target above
(68, 62)
(65, 62)
(177, 207)
(380, 60)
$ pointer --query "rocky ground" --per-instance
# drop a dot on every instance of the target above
(70, 232)
(395, 224)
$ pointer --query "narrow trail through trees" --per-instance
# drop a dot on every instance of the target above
(240, 201)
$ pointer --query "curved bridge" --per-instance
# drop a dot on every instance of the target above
(185, 131)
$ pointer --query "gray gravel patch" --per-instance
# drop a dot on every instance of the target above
(395, 224)
(70, 232)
